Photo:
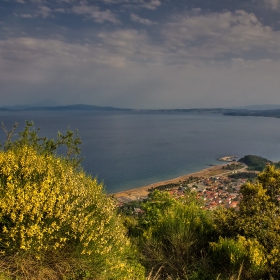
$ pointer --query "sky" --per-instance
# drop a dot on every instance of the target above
(141, 54)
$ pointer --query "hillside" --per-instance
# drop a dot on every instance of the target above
(255, 113)
(84, 107)
(58, 223)
(255, 162)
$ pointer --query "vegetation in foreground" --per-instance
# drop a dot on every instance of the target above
(180, 240)
(57, 223)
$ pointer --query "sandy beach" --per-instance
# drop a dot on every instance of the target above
(141, 192)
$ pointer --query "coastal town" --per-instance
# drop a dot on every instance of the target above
(220, 188)
(214, 191)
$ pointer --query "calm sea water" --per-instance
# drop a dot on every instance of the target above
(129, 150)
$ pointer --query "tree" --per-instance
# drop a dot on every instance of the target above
(257, 219)
(270, 180)
(70, 141)
(255, 162)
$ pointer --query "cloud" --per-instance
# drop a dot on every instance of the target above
(44, 11)
(138, 19)
(37, 1)
(147, 4)
(181, 38)
(96, 72)
(95, 13)
(151, 5)
(132, 45)
(26, 15)
(273, 4)
(191, 59)
(126, 70)
(39, 11)
(220, 35)
(60, 10)
(66, 1)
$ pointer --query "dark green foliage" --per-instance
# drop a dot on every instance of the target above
(70, 141)
(256, 113)
(165, 187)
(176, 237)
(173, 235)
(255, 162)
(243, 175)
(128, 208)
(233, 166)
(258, 219)
(170, 186)
(180, 240)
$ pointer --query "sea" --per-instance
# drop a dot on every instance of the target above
(126, 150)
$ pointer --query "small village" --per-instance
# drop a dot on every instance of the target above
(218, 190)
(214, 191)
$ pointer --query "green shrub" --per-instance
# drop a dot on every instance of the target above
(175, 235)
(230, 255)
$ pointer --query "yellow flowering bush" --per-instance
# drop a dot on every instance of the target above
(47, 205)
(240, 252)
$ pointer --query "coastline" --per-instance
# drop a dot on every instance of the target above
(142, 192)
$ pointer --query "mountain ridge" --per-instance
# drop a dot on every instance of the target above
(85, 107)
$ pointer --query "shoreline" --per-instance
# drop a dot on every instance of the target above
(142, 192)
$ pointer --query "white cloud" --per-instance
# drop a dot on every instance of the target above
(219, 35)
(95, 13)
(60, 10)
(111, 73)
(44, 11)
(147, 4)
(66, 1)
(134, 46)
(273, 4)
(151, 5)
(26, 15)
(195, 37)
(195, 59)
(138, 19)
(37, 1)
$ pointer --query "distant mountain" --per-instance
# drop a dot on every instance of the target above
(198, 110)
(65, 108)
(5, 109)
(83, 107)
(255, 113)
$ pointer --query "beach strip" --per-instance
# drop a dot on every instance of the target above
(142, 192)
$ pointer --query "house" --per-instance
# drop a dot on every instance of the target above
(139, 211)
